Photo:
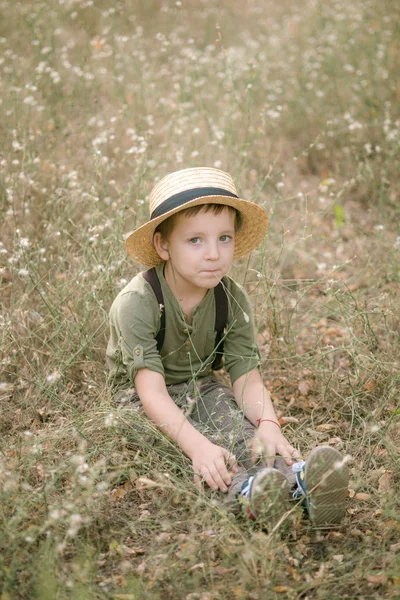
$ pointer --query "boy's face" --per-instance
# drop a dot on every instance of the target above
(199, 250)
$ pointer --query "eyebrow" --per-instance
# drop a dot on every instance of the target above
(198, 233)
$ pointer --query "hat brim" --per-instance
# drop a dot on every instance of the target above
(139, 243)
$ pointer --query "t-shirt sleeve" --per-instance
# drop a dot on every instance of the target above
(241, 351)
(135, 317)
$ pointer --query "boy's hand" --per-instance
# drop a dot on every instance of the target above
(210, 464)
(270, 441)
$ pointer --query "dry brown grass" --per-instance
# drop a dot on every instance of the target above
(100, 99)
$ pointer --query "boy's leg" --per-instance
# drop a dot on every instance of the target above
(212, 409)
(210, 406)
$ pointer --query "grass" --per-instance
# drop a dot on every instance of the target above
(100, 99)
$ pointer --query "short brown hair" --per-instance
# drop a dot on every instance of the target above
(166, 227)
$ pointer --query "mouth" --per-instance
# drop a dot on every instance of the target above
(211, 271)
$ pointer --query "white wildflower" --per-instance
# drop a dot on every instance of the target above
(368, 148)
(54, 376)
(78, 459)
(76, 522)
(82, 468)
(109, 421)
(55, 515)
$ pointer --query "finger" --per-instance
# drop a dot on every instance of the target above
(208, 477)
(270, 456)
(286, 453)
(257, 449)
(220, 476)
(289, 453)
(297, 454)
(223, 467)
(231, 461)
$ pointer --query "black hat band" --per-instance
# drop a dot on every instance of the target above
(183, 197)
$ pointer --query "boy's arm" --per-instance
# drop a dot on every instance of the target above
(253, 398)
(209, 461)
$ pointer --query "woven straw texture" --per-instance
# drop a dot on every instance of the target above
(139, 242)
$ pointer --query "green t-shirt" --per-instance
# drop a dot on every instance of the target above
(135, 321)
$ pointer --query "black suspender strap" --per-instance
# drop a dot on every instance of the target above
(221, 315)
(221, 319)
(152, 278)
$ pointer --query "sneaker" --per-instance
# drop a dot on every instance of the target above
(266, 496)
(322, 482)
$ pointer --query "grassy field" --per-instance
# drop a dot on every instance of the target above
(99, 99)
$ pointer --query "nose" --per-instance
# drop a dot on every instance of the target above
(212, 250)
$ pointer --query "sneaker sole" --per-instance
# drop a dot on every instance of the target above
(327, 477)
(270, 497)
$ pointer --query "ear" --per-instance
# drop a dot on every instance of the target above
(160, 245)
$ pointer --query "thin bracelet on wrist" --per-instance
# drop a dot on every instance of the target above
(259, 421)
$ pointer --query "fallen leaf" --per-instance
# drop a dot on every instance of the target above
(224, 570)
(384, 482)
(41, 471)
(141, 568)
(120, 581)
(338, 557)
(351, 493)
(370, 385)
(164, 536)
(356, 533)
(334, 331)
(325, 427)
(145, 482)
(380, 579)
(303, 388)
(281, 588)
(334, 535)
(362, 496)
(239, 592)
(197, 566)
(335, 441)
(6, 387)
(284, 420)
(395, 547)
(118, 494)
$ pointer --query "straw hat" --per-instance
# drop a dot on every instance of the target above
(191, 187)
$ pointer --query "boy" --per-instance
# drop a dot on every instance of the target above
(166, 338)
